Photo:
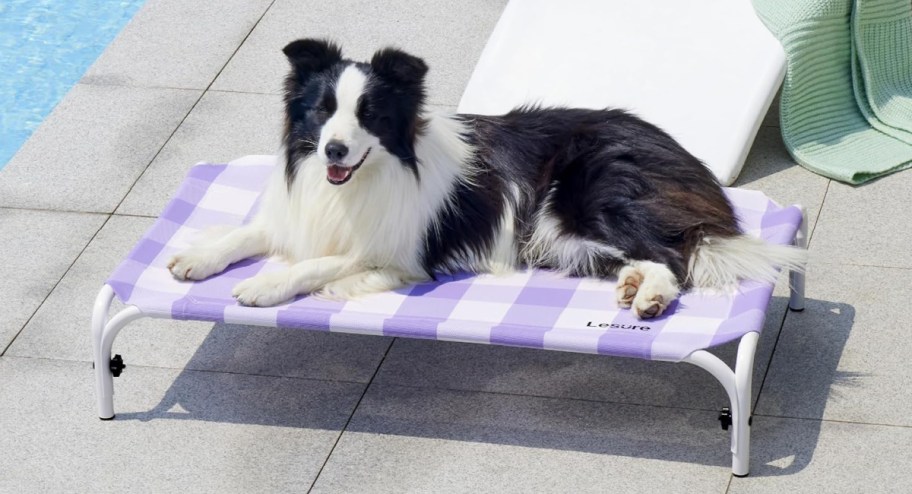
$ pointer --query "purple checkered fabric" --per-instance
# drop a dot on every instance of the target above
(534, 308)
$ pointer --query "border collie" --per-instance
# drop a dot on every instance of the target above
(376, 193)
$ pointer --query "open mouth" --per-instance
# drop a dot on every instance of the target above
(339, 174)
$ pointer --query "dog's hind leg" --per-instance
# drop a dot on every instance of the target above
(647, 288)
(215, 254)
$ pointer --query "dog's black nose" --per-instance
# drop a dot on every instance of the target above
(335, 150)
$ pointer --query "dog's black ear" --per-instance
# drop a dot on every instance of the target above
(311, 56)
(398, 66)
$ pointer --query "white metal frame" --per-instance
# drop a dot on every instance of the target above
(737, 382)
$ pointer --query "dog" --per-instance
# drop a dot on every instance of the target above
(374, 193)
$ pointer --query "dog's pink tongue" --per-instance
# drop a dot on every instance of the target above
(338, 173)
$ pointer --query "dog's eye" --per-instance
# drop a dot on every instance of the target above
(321, 113)
(367, 113)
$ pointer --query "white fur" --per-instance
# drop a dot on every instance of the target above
(216, 250)
(504, 256)
(654, 286)
(348, 240)
(343, 126)
(721, 262)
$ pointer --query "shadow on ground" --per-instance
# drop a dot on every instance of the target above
(680, 434)
(801, 391)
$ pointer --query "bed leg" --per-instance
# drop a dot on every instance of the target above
(744, 372)
(737, 385)
(796, 278)
(103, 333)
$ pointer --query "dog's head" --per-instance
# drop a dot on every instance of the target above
(351, 115)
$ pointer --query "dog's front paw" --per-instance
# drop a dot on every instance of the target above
(195, 264)
(653, 298)
(649, 307)
(264, 290)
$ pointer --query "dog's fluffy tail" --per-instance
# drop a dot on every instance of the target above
(720, 262)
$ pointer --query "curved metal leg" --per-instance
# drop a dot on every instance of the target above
(103, 333)
(737, 385)
(796, 278)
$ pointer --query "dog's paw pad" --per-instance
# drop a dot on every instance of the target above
(651, 311)
(650, 306)
(628, 288)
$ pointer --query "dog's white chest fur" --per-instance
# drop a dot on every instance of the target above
(379, 218)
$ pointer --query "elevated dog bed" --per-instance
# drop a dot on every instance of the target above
(534, 309)
(705, 71)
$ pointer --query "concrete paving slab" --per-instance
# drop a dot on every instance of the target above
(771, 170)
(222, 127)
(37, 249)
(425, 440)
(810, 456)
(178, 44)
(846, 356)
(61, 329)
(362, 27)
(174, 431)
(93, 146)
(867, 225)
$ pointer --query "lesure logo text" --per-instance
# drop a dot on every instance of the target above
(614, 325)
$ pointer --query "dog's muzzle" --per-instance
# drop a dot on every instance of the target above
(338, 174)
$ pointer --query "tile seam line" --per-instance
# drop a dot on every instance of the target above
(56, 284)
(240, 91)
(62, 211)
(190, 369)
(813, 230)
(546, 397)
(177, 88)
(79, 211)
(769, 361)
(354, 410)
(832, 421)
(193, 106)
(772, 354)
(83, 82)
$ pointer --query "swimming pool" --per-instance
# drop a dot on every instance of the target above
(45, 46)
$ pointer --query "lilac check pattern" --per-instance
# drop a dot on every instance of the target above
(534, 308)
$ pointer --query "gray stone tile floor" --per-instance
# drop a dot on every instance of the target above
(226, 408)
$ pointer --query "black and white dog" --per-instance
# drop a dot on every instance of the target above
(376, 193)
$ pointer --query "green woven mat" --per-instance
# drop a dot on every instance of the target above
(847, 98)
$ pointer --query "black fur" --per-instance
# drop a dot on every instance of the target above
(616, 180)
(308, 102)
(610, 177)
(392, 106)
(389, 110)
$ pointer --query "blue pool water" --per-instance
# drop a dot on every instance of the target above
(45, 46)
